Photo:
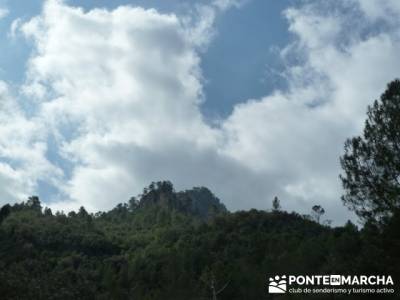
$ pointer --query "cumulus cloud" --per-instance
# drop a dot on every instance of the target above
(117, 97)
(125, 81)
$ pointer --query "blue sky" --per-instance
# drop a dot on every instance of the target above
(250, 98)
(229, 79)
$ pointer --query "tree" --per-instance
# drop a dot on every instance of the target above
(48, 212)
(133, 204)
(34, 203)
(82, 213)
(318, 211)
(165, 186)
(4, 212)
(371, 162)
(276, 205)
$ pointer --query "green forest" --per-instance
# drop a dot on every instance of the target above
(167, 244)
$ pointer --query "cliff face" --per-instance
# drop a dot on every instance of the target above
(199, 201)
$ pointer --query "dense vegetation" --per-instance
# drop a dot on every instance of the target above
(186, 245)
(155, 249)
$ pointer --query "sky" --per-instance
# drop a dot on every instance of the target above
(251, 98)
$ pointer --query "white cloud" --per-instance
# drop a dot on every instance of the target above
(388, 10)
(124, 79)
(14, 28)
(22, 151)
(226, 4)
(3, 12)
(120, 92)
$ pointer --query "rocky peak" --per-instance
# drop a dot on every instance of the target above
(198, 201)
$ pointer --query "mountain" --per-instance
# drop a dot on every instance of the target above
(181, 246)
(198, 201)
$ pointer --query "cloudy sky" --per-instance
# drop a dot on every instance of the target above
(251, 98)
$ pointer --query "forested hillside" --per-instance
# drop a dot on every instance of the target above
(163, 246)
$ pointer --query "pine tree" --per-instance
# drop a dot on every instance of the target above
(371, 162)
(276, 205)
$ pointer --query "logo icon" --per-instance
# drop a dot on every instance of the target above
(277, 285)
(335, 280)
